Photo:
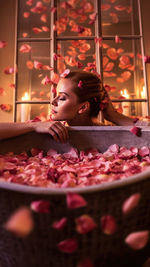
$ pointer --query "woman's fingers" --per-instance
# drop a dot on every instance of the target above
(59, 132)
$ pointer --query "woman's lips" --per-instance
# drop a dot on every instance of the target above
(53, 111)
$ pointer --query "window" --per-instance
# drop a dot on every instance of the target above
(105, 36)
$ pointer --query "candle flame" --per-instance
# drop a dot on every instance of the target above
(25, 97)
(124, 93)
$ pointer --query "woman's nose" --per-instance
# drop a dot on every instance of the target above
(54, 101)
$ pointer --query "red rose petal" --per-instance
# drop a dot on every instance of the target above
(41, 206)
(68, 246)
(130, 203)
(108, 224)
(136, 130)
(75, 201)
(85, 224)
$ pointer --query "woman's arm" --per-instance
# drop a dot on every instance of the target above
(115, 117)
(58, 131)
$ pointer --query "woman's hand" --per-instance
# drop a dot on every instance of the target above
(55, 128)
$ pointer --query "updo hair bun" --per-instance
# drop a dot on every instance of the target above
(92, 89)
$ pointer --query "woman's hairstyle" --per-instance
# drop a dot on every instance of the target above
(90, 89)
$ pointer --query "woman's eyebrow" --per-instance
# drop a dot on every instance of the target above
(63, 93)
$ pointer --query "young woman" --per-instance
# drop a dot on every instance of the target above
(80, 97)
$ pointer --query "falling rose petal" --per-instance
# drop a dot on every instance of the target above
(108, 224)
(130, 203)
(6, 107)
(109, 66)
(98, 40)
(46, 80)
(45, 29)
(43, 18)
(25, 48)
(75, 201)
(137, 240)
(37, 65)
(53, 9)
(58, 225)
(105, 7)
(147, 59)
(79, 65)
(126, 75)
(65, 73)
(9, 70)
(69, 245)
(115, 18)
(136, 130)
(3, 44)
(29, 64)
(26, 15)
(41, 206)
(55, 78)
(118, 40)
(112, 53)
(80, 84)
(120, 8)
(85, 224)
(144, 151)
(39, 8)
(86, 263)
(11, 85)
(25, 34)
(36, 30)
(20, 222)
(2, 92)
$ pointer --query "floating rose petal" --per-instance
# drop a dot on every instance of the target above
(58, 225)
(20, 222)
(85, 224)
(25, 48)
(109, 66)
(45, 29)
(79, 65)
(25, 34)
(136, 130)
(80, 84)
(120, 8)
(144, 151)
(3, 44)
(69, 245)
(137, 240)
(29, 2)
(75, 201)
(130, 203)
(65, 73)
(53, 9)
(115, 18)
(41, 206)
(55, 78)
(126, 75)
(98, 41)
(108, 224)
(39, 8)
(86, 263)
(11, 85)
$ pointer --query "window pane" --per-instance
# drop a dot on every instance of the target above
(75, 18)
(34, 20)
(132, 108)
(33, 67)
(78, 54)
(123, 70)
(27, 112)
(120, 17)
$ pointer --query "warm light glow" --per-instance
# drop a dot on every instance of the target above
(124, 93)
(25, 97)
(143, 92)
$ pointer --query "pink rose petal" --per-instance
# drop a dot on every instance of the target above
(58, 225)
(144, 151)
(85, 224)
(20, 222)
(86, 263)
(137, 240)
(136, 130)
(68, 246)
(3, 44)
(108, 224)
(65, 73)
(147, 59)
(75, 201)
(41, 206)
(25, 48)
(130, 203)
(80, 84)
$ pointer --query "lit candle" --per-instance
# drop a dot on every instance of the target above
(144, 104)
(125, 105)
(25, 108)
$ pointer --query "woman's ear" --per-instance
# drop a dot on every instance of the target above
(84, 107)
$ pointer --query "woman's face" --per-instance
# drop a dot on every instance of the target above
(65, 105)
